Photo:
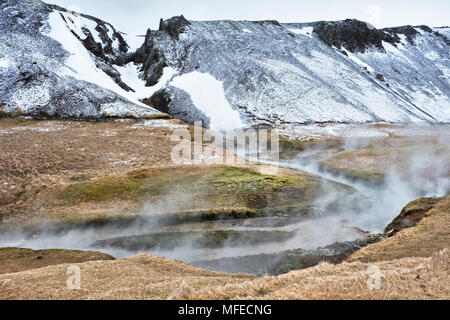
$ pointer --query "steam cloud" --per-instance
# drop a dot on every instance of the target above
(424, 173)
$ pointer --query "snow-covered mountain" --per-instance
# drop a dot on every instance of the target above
(57, 64)
(343, 71)
(227, 73)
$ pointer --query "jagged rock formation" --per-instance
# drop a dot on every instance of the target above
(45, 77)
(226, 73)
(344, 71)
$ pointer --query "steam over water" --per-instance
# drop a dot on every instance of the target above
(424, 173)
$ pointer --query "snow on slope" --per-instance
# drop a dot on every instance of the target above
(443, 30)
(47, 71)
(286, 73)
(208, 96)
(227, 73)
(131, 75)
(5, 63)
(417, 73)
(306, 31)
(80, 63)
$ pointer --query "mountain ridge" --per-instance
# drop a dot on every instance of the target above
(241, 101)
(253, 72)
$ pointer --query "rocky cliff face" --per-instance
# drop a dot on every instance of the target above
(345, 71)
(54, 63)
(227, 73)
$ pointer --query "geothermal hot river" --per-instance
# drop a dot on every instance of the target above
(249, 237)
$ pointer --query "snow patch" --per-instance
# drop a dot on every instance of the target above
(81, 61)
(208, 95)
(403, 39)
(5, 63)
(358, 61)
(390, 48)
(307, 31)
(76, 25)
(149, 124)
(130, 74)
(432, 55)
(133, 41)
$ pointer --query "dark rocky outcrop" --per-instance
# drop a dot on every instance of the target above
(267, 22)
(174, 26)
(358, 36)
(353, 35)
(178, 104)
(150, 55)
(101, 28)
(90, 44)
(152, 60)
(412, 214)
(407, 31)
(103, 50)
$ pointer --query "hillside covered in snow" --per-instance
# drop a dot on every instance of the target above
(229, 74)
(59, 65)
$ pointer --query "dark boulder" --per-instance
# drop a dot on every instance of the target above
(161, 101)
(380, 77)
(174, 26)
(179, 105)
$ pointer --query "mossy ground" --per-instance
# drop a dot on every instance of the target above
(290, 148)
(373, 165)
(200, 188)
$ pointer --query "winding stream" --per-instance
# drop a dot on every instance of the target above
(268, 244)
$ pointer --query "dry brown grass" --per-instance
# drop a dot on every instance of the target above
(40, 158)
(140, 277)
(431, 234)
(73, 173)
(412, 278)
(149, 277)
(16, 260)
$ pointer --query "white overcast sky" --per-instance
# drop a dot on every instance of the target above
(135, 16)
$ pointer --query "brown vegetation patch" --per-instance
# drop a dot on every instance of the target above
(149, 277)
(429, 235)
(17, 260)
(373, 165)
